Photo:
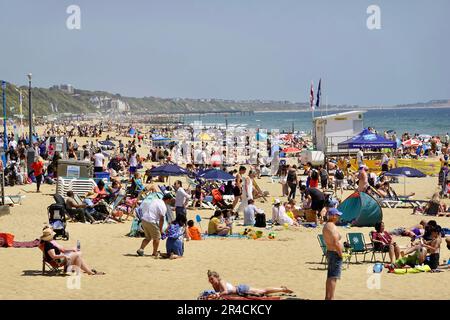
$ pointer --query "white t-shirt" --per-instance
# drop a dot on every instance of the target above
(385, 159)
(180, 197)
(249, 214)
(98, 160)
(153, 210)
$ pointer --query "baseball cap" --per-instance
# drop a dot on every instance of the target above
(333, 203)
(334, 212)
(276, 201)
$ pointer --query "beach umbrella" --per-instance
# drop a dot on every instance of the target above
(405, 172)
(168, 170)
(411, 143)
(291, 150)
(260, 136)
(216, 175)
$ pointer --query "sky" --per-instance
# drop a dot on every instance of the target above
(233, 49)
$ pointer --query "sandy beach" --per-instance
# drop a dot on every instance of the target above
(292, 259)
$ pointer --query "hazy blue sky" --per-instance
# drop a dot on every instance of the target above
(233, 49)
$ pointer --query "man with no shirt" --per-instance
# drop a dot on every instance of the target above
(332, 240)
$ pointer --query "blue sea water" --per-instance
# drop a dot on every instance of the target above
(433, 121)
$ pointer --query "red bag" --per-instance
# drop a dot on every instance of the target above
(7, 239)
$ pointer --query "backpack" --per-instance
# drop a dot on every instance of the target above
(314, 174)
(339, 175)
(260, 220)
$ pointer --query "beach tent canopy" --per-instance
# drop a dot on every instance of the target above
(291, 150)
(407, 172)
(361, 210)
(216, 175)
(368, 140)
(168, 170)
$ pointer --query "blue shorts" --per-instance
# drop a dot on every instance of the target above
(242, 289)
(334, 265)
(174, 246)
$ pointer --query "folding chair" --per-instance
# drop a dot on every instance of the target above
(52, 265)
(358, 245)
(323, 246)
(374, 251)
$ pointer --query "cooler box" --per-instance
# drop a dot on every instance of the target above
(75, 169)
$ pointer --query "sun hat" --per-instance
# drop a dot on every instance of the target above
(47, 234)
(276, 201)
(334, 212)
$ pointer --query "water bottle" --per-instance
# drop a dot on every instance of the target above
(78, 245)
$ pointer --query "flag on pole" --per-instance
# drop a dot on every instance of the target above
(311, 96)
(20, 102)
(319, 93)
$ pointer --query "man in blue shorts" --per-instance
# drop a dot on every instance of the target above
(332, 240)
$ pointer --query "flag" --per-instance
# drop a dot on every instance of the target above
(319, 93)
(311, 96)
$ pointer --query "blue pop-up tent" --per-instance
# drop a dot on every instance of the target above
(367, 140)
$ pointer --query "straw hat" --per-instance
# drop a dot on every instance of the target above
(47, 234)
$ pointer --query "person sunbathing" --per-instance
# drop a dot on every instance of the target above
(63, 256)
(435, 207)
(225, 288)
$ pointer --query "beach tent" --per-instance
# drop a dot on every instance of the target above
(132, 131)
(261, 136)
(168, 170)
(361, 210)
(367, 140)
(216, 175)
(291, 150)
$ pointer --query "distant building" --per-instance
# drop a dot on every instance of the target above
(67, 88)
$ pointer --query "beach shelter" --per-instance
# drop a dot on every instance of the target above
(205, 137)
(216, 175)
(412, 143)
(261, 136)
(168, 170)
(291, 150)
(361, 210)
(367, 140)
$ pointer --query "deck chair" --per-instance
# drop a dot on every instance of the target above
(52, 266)
(358, 245)
(323, 247)
(374, 251)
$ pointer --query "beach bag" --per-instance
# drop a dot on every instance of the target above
(6, 239)
(260, 220)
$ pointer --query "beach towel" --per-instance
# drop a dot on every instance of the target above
(215, 236)
(417, 269)
(26, 244)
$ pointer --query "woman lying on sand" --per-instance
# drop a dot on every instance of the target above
(225, 288)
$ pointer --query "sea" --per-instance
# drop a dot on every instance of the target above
(432, 121)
